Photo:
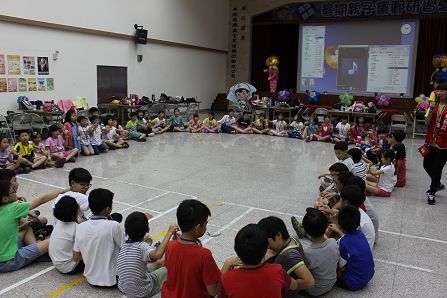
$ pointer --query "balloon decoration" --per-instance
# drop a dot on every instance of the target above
(240, 94)
(272, 63)
(440, 63)
(422, 101)
(383, 99)
(313, 96)
(283, 95)
(346, 98)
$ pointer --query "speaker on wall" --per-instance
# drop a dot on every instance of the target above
(140, 35)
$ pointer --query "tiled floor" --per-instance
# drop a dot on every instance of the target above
(243, 179)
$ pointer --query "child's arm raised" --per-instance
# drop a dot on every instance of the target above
(375, 172)
(336, 229)
(46, 198)
(158, 253)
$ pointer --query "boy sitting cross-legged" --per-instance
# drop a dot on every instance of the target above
(98, 240)
(254, 279)
(192, 269)
(137, 277)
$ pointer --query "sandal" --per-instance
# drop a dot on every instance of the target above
(125, 145)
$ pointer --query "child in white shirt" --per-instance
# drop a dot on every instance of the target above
(343, 128)
(297, 127)
(227, 122)
(384, 185)
(111, 137)
(95, 132)
(279, 127)
(85, 139)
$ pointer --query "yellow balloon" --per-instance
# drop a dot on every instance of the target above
(272, 61)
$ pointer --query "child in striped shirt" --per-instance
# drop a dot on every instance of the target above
(360, 168)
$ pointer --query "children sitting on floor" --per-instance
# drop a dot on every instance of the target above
(343, 128)
(6, 158)
(192, 269)
(85, 139)
(142, 124)
(227, 122)
(131, 127)
(280, 126)
(122, 133)
(383, 185)
(62, 239)
(160, 124)
(79, 181)
(357, 133)
(322, 255)
(26, 157)
(325, 132)
(95, 132)
(111, 138)
(297, 129)
(356, 264)
(261, 125)
(55, 145)
(311, 130)
(18, 248)
(287, 252)
(70, 131)
(341, 152)
(209, 124)
(360, 168)
(39, 148)
(194, 125)
(139, 265)
(243, 124)
(98, 241)
(254, 278)
(176, 122)
(400, 162)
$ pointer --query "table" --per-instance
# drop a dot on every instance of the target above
(355, 115)
(261, 108)
(284, 111)
(121, 109)
(47, 117)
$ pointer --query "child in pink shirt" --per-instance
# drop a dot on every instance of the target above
(55, 144)
(326, 129)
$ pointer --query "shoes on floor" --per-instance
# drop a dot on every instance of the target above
(298, 227)
(151, 134)
(59, 163)
(431, 198)
(440, 188)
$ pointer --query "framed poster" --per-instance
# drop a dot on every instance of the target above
(13, 64)
(32, 84)
(50, 84)
(29, 65)
(2, 64)
(22, 85)
(42, 66)
(3, 85)
(12, 85)
(41, 86)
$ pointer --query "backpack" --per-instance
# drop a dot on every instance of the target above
(358, 106)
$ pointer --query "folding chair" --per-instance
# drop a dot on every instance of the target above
(5, 128)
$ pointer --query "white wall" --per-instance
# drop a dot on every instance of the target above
(168, 69)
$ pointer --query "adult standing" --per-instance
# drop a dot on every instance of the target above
(435, 156)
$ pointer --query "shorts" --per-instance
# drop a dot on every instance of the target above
(135, 134)
(382, 193)
(24, 256)
(86, 147)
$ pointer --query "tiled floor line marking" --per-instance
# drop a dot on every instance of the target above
(404, 265)
(147, 201)
(29, 278)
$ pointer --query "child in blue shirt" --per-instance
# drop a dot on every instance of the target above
(356, 264)
(310, 130)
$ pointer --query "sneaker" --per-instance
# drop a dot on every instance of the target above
(298, 227)
(59, 163)
(72, 160)
(431, 198)
(151, 135)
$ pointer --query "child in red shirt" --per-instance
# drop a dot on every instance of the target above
(326, 129)
(400, 163)
(192, 271)
(254, 279)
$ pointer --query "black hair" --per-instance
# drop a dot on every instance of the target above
(191, 213)
(211, 113)
(140, 111)
(161, 112)
(353, 194)
(25, 131)
(195, 115)
(338, 167)
(279, 114)
(262, 115)
(273, 225)
(66, 209)
(401, 152)
(442, 86)
(251, 244)
(245, 113)
(136, 225)
(389, 154)
(357, 121)
(34, 134)
(68, 115)
(79, 175)
(177, 109)
(93, 110)
(80, 118)
(54, 128)
(133, 114)
(93, 118)
(382, 130)
(315, 222)
(399, 135)
(5, 182)
(344, 117)
(99, 199)
(349, 218)
(231, 110)
(342, 146)
(356, 154)
(357, 181)
(107, 118)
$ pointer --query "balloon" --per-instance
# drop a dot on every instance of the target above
(346, 98)
(383, 100)
(422, 101)
(313, 96)
(283, 95)
(440, 61)
(272, 61)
